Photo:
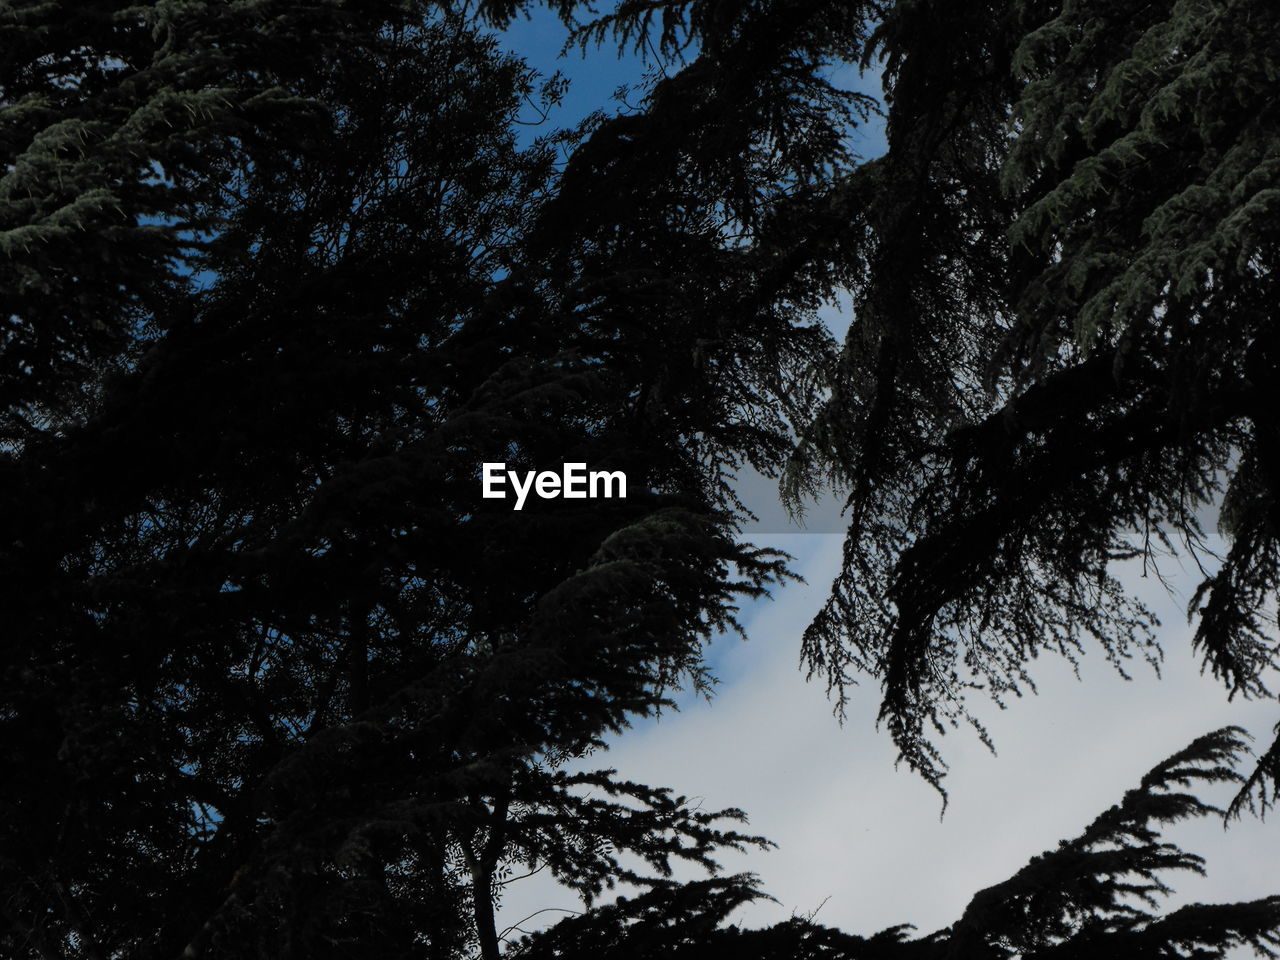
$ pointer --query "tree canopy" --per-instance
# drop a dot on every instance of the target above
(282, 274)
(278, 681)
(1063, 350)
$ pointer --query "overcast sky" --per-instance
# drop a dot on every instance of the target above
(865, 842)
(861, 842)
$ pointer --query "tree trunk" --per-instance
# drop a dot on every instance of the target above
(482, 870)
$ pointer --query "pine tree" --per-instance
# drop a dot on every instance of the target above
(1063, 352)
(282, 274)
(281, 683)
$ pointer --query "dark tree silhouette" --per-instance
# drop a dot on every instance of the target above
(1063, 353)
(281, 275)
(278, 682)
(1094, 896)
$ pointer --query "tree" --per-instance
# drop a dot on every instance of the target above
(1063, 353)
(279, 681)
(1094, 896)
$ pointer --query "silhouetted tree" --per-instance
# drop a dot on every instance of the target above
(278, 681)
(1063, 351)
(282, 274)
(1094, 896)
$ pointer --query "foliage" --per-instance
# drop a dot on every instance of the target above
(1095, 895)
(121, 122)
(1063, 352)
(278, 682)
(281, 274)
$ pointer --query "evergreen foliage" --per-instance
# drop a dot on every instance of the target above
(281, 274)
(1094, 896)
(277, 681)
(1063, 352)
(121, 123)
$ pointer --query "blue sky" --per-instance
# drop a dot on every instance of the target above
(594, 74)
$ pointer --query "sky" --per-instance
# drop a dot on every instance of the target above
(861, 844)
(865, 844)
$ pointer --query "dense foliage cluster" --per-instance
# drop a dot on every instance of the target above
(1064, 351)
(277, 681)
(280, 274)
